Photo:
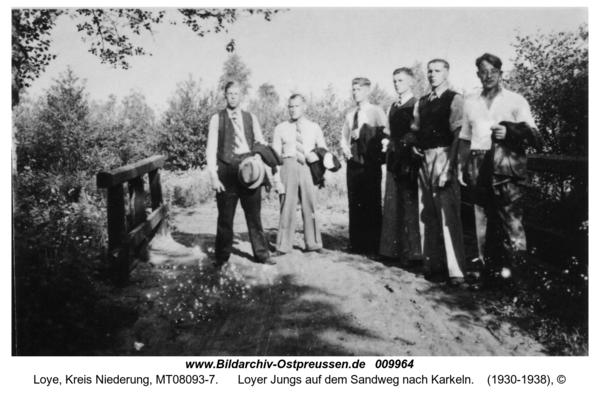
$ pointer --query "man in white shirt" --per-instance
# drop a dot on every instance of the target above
(231, 137)
(294, 140)
(496, 197)
(362, 175)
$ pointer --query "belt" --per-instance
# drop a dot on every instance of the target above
(478, 152)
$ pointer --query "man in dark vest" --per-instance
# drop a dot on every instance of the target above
(363, 172)
(400, 237)
(232, 134)
(437, 124)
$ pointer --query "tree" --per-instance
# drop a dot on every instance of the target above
(267, 109)
(235, 70)
(421, 86)
(380, 97)
(551, 72)
(111, 31)
(184, 128)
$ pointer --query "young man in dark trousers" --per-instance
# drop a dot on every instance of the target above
(231, 137)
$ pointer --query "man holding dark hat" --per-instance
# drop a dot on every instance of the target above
(232, 135)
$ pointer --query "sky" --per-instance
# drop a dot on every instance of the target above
(306, 49)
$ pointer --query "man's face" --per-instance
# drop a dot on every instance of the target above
(296, 108)
(437, 74)
(489, 75)
(360, 93)
(402, 83)
(233, 95)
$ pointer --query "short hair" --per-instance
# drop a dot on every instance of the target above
(361, 81)
(295, 96)
(230, 84)
(445, 63)
(491, 59)
(405, 70)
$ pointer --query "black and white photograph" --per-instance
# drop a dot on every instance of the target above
(300, 181)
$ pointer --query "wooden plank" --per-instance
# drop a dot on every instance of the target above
(106, 179)
(568, 165)
(138, 209)
(143, 230)
(116, 216)
(155, 189)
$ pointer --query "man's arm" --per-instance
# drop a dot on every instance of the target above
(258, 135)
(211, 153)
(278, 148)
(456, 120)
(464, 146)
(345, 138)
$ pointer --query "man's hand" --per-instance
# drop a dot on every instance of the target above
(460, 176)
(444, 179)
(384, 144)
(347, 152)
(354, 134)
(417, 152)
(279, 188)
(217, 186)
(499, 132)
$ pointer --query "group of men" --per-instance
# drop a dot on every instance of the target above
(430, 146)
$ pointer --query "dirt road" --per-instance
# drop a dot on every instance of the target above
(308, 304)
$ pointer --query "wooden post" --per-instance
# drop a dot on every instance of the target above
(117, 232)
(157, 198)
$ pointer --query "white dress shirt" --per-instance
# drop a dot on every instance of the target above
(284, 139)
(212, 142)
(369, 114)
(478, 118)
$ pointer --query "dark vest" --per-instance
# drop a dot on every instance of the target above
(227, 135)
(401, 118)
(434, 116)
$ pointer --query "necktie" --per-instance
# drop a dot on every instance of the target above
(399, 103)
(355, 131)
(238, 131)
(299, 146)
(433, 96)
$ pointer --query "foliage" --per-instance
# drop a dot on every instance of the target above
(421, 86)
(267, 109)
(106, 28)
(328, 111)
(184, 128)
(551, 72)
(235, 70)
(380, 97)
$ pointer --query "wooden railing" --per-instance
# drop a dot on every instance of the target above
(552, 242)
(125, 247)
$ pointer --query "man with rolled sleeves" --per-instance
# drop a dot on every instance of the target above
(437, 124)
(231, 136)
(497, 126)
(363, 173)
(294, 140)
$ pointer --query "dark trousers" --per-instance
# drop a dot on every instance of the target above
(364, 206)
(227, 204)
(498, 219)
(400, 234)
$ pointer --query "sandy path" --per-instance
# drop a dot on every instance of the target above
(307, 304)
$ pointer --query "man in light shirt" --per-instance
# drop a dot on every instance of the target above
(437, 123)
(294, 140)
(496, 193)
(362, 175)
(232, 134)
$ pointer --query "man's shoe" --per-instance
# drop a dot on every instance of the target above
(269, 261)
(319, 251)
(218, 264)
(455, 282)
(277, 254)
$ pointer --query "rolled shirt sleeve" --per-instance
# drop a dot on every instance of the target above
(466, 132)
(345, 135)
(456, 113)
(416, 124)
(258, 135)
(278, 148)
(211, 147)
